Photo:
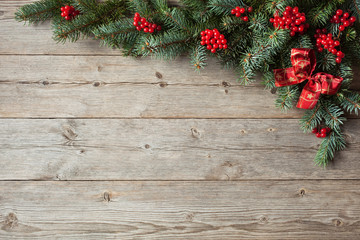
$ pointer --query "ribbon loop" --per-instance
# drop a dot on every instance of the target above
(304, 63)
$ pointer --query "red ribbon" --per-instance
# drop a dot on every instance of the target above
(304, 62)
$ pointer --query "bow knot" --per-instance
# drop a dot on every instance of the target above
(304, 63)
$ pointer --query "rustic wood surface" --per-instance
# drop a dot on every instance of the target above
(97, 146)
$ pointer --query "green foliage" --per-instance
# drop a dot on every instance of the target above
(253, 47)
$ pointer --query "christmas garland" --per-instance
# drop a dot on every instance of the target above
(274, 37)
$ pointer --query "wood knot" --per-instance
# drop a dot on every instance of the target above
(227, 164)
(189, 216)
(302, 192)
(263, 219)
(226, 84)
(338, 222)
(163, 84)
(96, 84)
(99, 68)
(271, 129)
(195, 133)
(226, 91)
(243, 132)
(45, 83)
(147, 146)
(107, 196)
(11, 221)
(273, 90)
(158, 75)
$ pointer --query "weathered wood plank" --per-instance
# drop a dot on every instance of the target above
(181, 210)
(47, 86)
(167, 149)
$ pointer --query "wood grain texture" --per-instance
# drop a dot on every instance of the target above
(107, 86)
(164, 149)
(181, 210)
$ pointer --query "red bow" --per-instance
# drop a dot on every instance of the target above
(304, 62)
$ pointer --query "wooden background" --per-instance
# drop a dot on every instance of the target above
(97, 146)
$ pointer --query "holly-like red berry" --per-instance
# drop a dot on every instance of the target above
(339, 12)
(338, 60)
(323, 130)
(213, 39)
(142, 24)
(318, 135)
(239, 11)
(291, 19)
(315, 130)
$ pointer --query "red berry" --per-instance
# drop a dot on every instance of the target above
(292, 33)
(202, 33)
(225, 46)
(346, 15)
(213, 50)
(146, 29)
(202, 42)
(67, 7)
(242, 10)
(215, 45)
(62, 9)
(237, 9)
(320, 49)
(62, 14)
(250, 9)
(77, 12)
(335, 17)
(138, 28)
(339, 12)
(337, 43)
(318, 30)
(233, 11)
(135, 23)
(328, 129)
(288, 8)
(137, 14)
(318, 135)
(339, 54)
(142, 25)
(323, 135)
(341, 27)
(324, 30)
(346, 23)
(237, 14)
(158, 28)
(323, 130)
(352, 19)
(315, 130)
(295, 10)
(209, 47)
(143, 20)
(272, 20)
(68, 18)
(303, 18)
(333, 51)
(223, 41)
(338, 60)
(246, 18)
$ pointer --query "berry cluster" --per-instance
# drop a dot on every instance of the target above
(238, 11)
(69, 12)
(321, 133)
(343, 18)
(326, 41)
(292, 20)
(213, 39)
(141, 24)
